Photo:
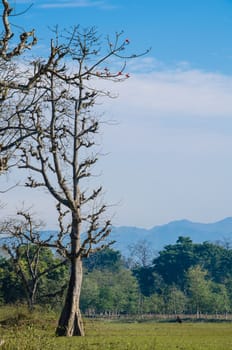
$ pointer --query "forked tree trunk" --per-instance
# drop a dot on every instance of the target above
(70, 322)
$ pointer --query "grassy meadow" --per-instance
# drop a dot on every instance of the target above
(23, 331)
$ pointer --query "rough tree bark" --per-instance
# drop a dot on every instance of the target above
(70, 322)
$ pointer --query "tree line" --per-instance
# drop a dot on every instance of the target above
(184, 277)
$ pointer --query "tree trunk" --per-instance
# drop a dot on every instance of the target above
(32, 295)
(70, 322)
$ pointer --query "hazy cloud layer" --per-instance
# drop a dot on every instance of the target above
(171, 108)
(178, 93)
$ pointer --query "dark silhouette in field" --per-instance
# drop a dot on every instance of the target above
(178, 319)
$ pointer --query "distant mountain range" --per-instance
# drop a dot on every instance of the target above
(162, 235)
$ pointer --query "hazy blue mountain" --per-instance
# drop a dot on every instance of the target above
(162, 235)
(159, 236)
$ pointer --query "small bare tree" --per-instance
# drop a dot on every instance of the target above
(21, 240)
(141, 254)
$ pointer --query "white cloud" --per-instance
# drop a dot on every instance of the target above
(170, 111)
(177, 93)
(72, 4)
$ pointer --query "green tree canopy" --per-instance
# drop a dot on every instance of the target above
(174, 261)
(105, 259)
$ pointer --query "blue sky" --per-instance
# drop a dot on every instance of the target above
(197, 32)
(170, 152)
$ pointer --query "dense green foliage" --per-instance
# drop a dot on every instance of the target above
(51, 282)
(184, 278)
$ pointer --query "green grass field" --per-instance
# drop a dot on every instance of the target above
(23, 331)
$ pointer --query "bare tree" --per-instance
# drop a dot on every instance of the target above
(141, 254)
(62, 152)
(54, 128)
(21, 240)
